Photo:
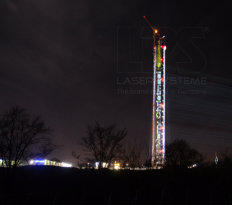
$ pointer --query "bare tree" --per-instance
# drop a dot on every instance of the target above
(103, 143)
(23, 136)
(132, 156)
(77, 157)
(180, 154)
(225, 158)
(147, 158)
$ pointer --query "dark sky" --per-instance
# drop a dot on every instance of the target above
(77, 61)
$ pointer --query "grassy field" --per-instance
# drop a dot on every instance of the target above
(55, 185)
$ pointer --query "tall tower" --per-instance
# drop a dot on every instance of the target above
(158, 105)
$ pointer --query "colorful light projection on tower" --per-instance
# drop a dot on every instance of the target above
(158, 105)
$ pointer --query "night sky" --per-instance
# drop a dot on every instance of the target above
(77, 61)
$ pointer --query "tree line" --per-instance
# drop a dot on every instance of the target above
(24, 136)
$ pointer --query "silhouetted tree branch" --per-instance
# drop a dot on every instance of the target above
(23, 136)
(103, 143)
(132, 156)
(77, 157)
(180, 154)
(225, 158)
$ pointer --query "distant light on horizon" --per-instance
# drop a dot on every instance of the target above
(45, 162)
(116, 166)
(63, 164)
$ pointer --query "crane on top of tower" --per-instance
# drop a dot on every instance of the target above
(155, 31)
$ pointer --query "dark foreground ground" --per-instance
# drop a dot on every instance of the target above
(53, 185)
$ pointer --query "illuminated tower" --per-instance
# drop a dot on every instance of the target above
(158, 115)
